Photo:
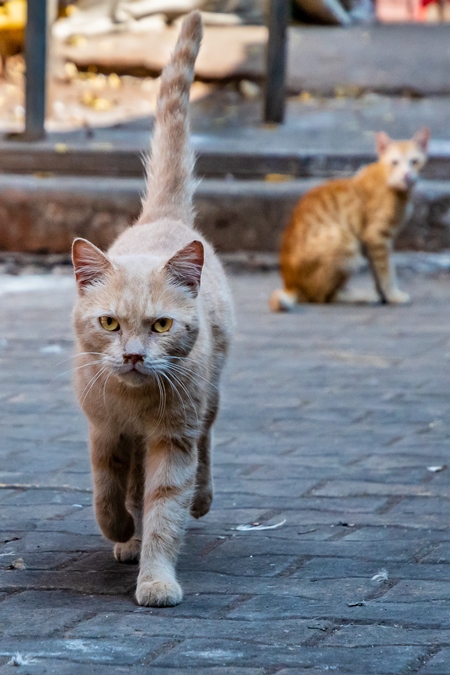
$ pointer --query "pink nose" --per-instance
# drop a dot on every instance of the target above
(134, 358)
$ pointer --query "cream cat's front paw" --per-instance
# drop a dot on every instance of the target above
(129, 552)
(154, 593)
(398, 297)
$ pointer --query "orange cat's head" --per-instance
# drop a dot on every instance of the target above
(403, 160)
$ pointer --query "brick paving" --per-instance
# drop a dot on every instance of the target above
(330, 418)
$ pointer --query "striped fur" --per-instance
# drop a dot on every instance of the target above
(151, 398)
(336, 223)
(171, 162)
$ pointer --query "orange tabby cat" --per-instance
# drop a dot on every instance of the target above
(335, 223)
(153, 320)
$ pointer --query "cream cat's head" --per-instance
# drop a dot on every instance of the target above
(138, 313)
(403, 159)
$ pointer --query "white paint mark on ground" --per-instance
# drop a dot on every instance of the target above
(19, 660)
(258, 526)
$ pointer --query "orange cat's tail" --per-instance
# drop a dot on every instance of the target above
(170, 166)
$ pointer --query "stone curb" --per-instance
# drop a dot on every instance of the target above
(43, 215)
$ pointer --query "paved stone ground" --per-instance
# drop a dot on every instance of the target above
(330, 419)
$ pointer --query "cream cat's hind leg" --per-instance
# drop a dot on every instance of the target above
(129, 552)
(111, 465)
(203, 495)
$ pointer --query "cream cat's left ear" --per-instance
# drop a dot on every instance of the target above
(185, 267)
(91, 265)
(382, 142)
(421, 138)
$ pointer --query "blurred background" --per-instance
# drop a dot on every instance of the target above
(287, 93)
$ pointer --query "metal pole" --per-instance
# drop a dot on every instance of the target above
(36, 68)
(274, 102)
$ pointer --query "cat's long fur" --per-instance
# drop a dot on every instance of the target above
(151, 398)
(333, 224)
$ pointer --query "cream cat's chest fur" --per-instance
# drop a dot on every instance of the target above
(138, 412)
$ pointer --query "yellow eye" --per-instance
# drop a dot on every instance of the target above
(162, 325)
(109, 323)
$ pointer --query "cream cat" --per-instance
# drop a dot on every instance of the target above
(153, 323)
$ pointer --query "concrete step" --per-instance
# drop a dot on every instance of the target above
(26, 264)
(392, 59)
(249, 153)
(44, 214)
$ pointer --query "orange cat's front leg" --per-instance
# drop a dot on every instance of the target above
(110, 465)
(170, 473)
(378, 251)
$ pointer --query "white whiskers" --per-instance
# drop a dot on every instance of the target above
(72, 370)
(90, 384)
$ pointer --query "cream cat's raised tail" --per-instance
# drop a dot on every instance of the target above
(153, 321)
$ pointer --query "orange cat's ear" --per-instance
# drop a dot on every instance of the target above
(91, 265)
(382, 142)
(421, 138)
(185, 267)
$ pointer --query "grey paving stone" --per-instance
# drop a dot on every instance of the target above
(280, 632)
(63, 667)
(419, 614)
(341, 568)
(41, 623)
(392, 550)
(438, 665)
(62, 599)
(47, 497)
(37, 560)
(373, 635)
(355, 488)
(34, 541)
(330, 418)
(263, 566)
(101, 581)
(114, 650)
(222, 652)
(440, 554)
(415, 590)
(39, 666)
(387, 533)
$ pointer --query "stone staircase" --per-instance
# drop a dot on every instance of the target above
(65, 187)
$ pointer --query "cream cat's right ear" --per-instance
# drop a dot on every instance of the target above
(90, 264)
(185, 267)
(383, 140)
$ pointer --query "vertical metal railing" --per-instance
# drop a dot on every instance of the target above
(275, 92)
(36, 66)
(36, 69)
